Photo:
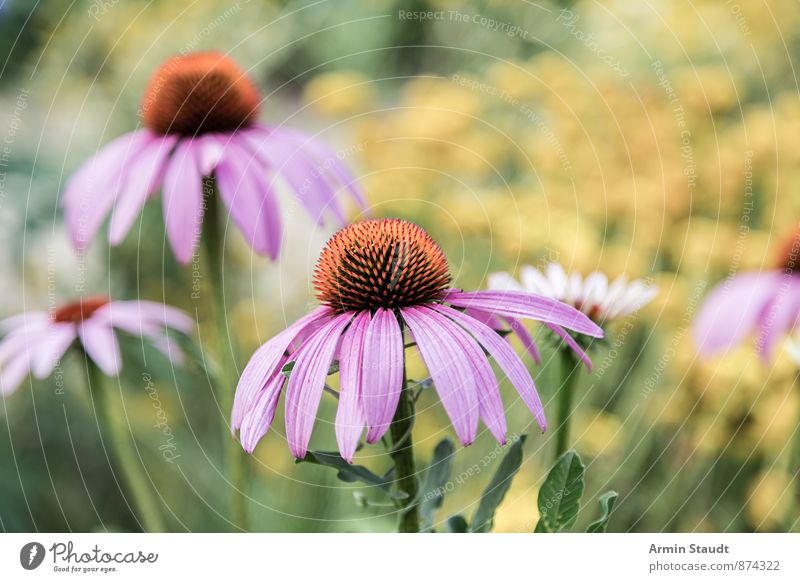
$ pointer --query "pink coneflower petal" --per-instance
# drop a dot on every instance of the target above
(490, 404)
(16, 351)
(314, 171)
(525, 305)
(100, 343)
(299, 172)
(130, 319)
(16, 342)
(732, 310)
(570, 341)
(168, 347)
(525, 338)
(250, 200)
(209, 150)
(307, 381)
(28, 320)
(452, 376)
(383, 372)
(51, 349)
(148, 312)
(328, 159)
(147, 172)
(103, 166)
(183, 201)
(505, 357)
(14, 370)
(91, 191)
(257, 421)
(484, 317)
(780, 315)
(264, 362)
(350, 416)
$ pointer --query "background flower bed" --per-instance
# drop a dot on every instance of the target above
(653, 140)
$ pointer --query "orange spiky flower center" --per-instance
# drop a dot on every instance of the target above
(199, 93)
(78, 310)
(386, 263)
(788, 257)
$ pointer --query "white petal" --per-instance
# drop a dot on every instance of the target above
(558, 280)
(503, 282)
(574, 289)
(534, 281)
(595, 288)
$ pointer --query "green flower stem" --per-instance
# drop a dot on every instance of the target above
(114, 428)
(793, 524)
(226, 375)
(566, 395)
(403, 456)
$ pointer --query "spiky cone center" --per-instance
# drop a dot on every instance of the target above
(788, 256)
(383, 263)
(199, 93)
(77, 311)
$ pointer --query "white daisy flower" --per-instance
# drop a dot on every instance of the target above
(593, 295)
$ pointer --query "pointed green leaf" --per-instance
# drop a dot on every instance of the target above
(607, 501)
(560, 494)
(457, 524)
(352, 473)
(493, 496)
(436, 479)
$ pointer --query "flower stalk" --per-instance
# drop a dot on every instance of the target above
(566, 396)
(226, 375)
(403, 457)
(793, 520)
(112, 426)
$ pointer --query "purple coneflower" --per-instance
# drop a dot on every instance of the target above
(36, 341)
(200, 120)
(375, 279)
(765, 303)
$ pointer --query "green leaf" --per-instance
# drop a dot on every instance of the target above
(560, 495)
(352, 473)
(289, 366)
(607, 501)
(457, 524)
(436, 479)
(493, 496)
